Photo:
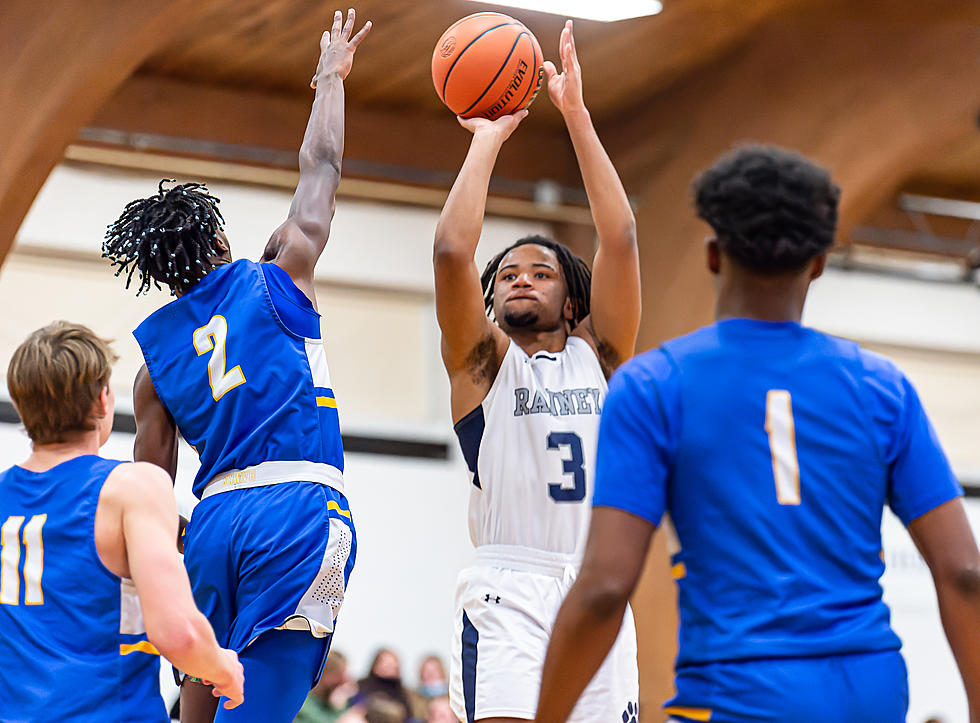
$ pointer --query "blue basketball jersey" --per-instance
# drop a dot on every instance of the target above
(774, 449)
(72, 641)
(239, 364)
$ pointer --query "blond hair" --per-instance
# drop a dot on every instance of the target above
(55, 378)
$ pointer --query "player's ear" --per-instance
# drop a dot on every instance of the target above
(712, 254)
(567, 311)
(221, 242)
(819, 264)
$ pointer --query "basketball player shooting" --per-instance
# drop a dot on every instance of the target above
(527, 385)
(237, 365)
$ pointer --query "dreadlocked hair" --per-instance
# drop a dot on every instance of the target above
(578, 276)
(169, 238)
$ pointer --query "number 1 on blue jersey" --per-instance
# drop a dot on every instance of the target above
(212, 337)
(782, 446)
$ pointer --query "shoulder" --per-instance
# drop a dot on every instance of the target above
(650, 378)
(137, 482)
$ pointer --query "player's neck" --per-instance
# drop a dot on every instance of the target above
(45, 456)
(761, 310)
(742, 294)
(533, 341)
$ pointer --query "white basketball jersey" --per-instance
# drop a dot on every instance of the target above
(530, 448)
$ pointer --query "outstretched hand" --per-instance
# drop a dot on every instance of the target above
(337, 46)
(565, 88)
(502, 127)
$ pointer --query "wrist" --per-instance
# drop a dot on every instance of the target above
(577, 115)
(489, 135)
(325, 76)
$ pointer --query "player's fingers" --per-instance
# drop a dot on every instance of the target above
(356, 40)
(550, 71)
(348, 25)
(338, 18)
(573, 51)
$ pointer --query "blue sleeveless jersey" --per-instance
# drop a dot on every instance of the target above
(239, 364)
(72, 642)
(774, 449)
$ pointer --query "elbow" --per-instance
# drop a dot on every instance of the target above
(176, 641)
(446, 252)
(604, 599)
(326, 158)
(965, 580)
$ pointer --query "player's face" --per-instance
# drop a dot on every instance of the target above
(529, 291)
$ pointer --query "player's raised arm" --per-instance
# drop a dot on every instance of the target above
(156, 433)
(615, 316)
(459, 295)
(946, 542)
(297, 244)
(143, 496)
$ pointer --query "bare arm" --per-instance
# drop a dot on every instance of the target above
(156, 432)
(156, 435)
(297, 244)
(615, 316)
(944, 538)
(174, 625)
(459, 294)
(592, 613)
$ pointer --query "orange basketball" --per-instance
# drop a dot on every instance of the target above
(487, 64)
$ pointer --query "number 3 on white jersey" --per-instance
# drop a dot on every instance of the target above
(212, 338)
(782, 446)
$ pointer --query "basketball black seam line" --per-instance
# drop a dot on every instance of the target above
(450, 71)
(534, 55)
(500, 70)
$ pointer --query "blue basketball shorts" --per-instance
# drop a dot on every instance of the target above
(855, 688)
(276, 557)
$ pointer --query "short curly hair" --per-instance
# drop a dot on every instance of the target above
(772, 210)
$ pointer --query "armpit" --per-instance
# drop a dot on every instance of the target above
(482, 362)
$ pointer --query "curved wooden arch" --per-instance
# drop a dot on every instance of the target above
(58, 63)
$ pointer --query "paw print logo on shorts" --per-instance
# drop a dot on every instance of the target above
(632, 710)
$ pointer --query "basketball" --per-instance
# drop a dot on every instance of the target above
(488, 65)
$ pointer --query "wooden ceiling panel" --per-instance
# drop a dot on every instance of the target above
(272, 46)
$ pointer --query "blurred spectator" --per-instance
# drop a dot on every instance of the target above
(433, 683)
(329, 697)
(384, 679)
(376, 708)
(439, 711)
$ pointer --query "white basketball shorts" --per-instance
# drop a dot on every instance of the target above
(506, 604)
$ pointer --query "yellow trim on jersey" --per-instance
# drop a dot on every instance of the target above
(143, 646)
(326, 402)
(699, 714)
(331, 505)
(678, 571)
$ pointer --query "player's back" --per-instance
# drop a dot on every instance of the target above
(239, 364)
(72, 641)
(784, 444)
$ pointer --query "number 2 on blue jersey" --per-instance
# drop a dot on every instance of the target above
(782, 446)
(573, 466)
(212, 337)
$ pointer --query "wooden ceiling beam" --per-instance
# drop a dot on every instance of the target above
(58, 63)
(400, 139)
